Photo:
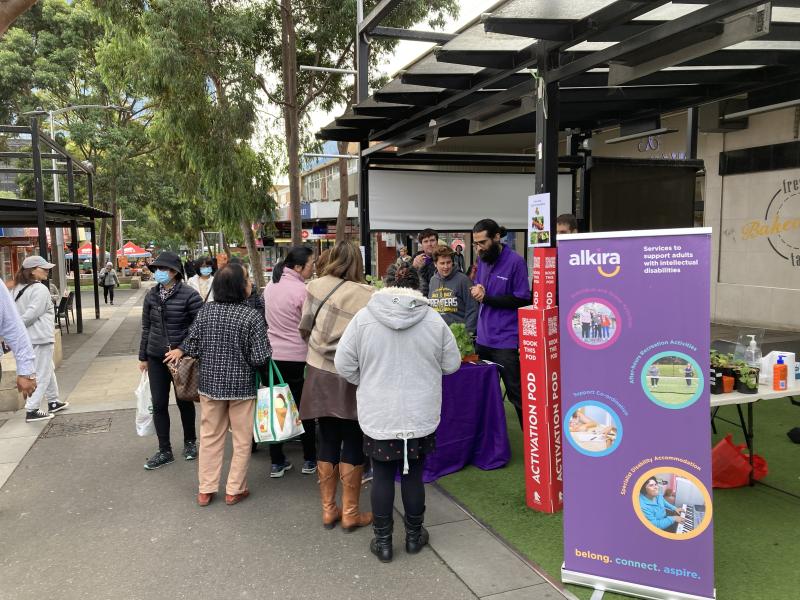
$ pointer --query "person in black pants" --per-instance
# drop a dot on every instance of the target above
(169, 309)
(294, 375)
(399, 420)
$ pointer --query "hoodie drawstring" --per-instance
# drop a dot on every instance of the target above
(405, 437)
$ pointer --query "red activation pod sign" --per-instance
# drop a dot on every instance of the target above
(540, 371)
(544, 278)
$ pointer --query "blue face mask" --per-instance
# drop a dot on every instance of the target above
(162, 276)
(205, 271)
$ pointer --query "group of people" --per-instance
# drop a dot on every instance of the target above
(345, 350)
(595, 325)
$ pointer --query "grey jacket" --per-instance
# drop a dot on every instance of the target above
(36, 309)
(450, 297)
(108, 277)
(396, 328)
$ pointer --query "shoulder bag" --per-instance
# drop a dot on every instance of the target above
(185, 373)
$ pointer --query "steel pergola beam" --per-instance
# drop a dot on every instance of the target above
(658, 35)
(436, 37)
(377, 15)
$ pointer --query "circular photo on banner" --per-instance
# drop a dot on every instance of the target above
(594, 323)
(672, 503)
(672, 379)
(594, 429)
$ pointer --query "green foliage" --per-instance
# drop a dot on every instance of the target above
(720, 360)
(463, 339)
(375, 282)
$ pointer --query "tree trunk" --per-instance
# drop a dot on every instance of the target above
(344, 195)
(10, 10)
(114, 225)
(291, 117)
(226, 247)
(101, 244)
(256, 271)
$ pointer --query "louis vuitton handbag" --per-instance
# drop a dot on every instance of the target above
(185, 373)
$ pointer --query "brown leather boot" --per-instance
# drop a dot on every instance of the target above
(328, 480)
(351, 492)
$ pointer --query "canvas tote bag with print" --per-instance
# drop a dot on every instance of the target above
(276, 417)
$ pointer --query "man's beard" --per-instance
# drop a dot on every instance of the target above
(491, 254)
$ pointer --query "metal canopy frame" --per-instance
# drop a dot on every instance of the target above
(539, 67)
(14, 212)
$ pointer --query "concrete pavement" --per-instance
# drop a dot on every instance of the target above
(81, 518)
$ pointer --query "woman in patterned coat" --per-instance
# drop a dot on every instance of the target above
(230, 340)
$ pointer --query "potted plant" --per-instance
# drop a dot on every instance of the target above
(748, 380)
(718, 360)
(375, 282)
(464, 342)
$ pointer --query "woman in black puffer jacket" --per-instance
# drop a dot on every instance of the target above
(169, 309)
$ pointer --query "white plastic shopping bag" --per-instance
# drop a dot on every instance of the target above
(144, 407)
(276, 418)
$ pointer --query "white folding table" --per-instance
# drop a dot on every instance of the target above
(765, 392)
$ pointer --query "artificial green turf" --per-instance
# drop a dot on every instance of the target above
(756, 530)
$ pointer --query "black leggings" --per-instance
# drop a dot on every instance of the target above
(340, 440)
(160, 383)
(108, 290)
(411, 487)
(294, 375)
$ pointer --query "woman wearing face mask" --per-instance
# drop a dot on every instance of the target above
(284, 306)
(169, 309)
(204, 279)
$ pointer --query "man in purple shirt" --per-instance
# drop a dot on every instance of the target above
(501, 287)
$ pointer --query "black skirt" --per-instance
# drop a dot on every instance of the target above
(386, 450)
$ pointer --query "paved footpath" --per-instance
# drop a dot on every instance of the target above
(80, 517)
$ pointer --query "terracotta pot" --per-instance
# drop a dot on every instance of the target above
(470, 358)
(728, 383)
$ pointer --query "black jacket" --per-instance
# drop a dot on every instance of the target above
(179, 312)
(427, 271)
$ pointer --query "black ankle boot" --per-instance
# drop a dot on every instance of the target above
(416, 534)
(381, 544)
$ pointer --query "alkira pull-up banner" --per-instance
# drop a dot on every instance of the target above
(635, 337)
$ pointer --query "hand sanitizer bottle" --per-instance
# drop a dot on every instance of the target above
(752, 354)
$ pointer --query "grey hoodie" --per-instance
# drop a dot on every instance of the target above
(36, 309)
(396, 350)
(450, 297)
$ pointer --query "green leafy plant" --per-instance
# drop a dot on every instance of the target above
(747, 375)
(720, 360)
(463, 339)
(375, 282)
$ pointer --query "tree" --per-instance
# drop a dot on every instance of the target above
(321, 33)
(196, 61)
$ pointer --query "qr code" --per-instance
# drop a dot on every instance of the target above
(550, 262)
(529, 327)
(552, 325)
(537, 262)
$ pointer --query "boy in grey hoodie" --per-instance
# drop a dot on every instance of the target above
(449, 293)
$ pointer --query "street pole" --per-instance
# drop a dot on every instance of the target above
(58, 250)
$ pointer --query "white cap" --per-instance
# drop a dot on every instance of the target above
(36, 261)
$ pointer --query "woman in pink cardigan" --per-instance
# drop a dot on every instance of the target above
(283, 305)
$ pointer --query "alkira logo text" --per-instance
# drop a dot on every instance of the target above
(600, 259)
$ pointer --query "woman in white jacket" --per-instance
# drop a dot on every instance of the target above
(35, 306)
(398, 414)
(204, 279)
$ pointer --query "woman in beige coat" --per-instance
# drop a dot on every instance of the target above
(332, 301)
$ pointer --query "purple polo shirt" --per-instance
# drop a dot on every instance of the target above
(497, 327)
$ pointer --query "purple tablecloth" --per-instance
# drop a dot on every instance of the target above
(473, 427)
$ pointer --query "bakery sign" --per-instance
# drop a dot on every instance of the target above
(781, 223)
